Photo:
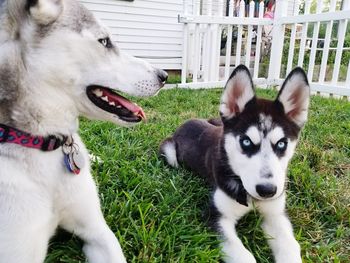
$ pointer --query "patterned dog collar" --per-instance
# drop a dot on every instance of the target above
(13, 135)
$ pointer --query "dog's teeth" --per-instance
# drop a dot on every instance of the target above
(112, 103)
(98, 92)
(105, 98)
(119, 107)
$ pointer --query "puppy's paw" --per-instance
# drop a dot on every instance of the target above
(238, 256)
(289, 253)
(288, 259)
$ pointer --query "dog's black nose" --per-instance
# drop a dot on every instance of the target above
(266, 190)
(162, 75)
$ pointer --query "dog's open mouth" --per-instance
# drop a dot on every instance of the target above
(110, 101)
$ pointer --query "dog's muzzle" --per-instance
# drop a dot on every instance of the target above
(162, 76)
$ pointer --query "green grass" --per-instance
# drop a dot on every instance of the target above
(158, 213)
(174, 79)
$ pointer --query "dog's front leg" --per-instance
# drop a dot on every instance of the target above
(83, 217)
(226, 213)
(279, 231)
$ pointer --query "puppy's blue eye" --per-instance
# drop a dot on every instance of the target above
(246, 143)
(281, 145)
(247, 146)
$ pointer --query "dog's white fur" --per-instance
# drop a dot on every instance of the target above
(264, 161)
(276, 226)
(170, 154)
(37, 195)
(49, 54)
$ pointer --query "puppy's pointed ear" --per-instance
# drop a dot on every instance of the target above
(44, 12)
(238, 92)
(295, 96)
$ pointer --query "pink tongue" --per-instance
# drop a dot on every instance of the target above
(125, 103)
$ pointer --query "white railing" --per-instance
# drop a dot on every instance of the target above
(269, 47)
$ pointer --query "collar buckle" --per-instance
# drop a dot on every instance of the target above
(51, 143)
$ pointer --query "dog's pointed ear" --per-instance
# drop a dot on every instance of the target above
(44, 12)
(295, 96)
(239, 90)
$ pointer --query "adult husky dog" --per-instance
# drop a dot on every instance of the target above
(245, 157)
(57, 62)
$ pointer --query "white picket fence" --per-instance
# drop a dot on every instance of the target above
(206, 64)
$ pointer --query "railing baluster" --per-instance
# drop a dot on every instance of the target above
(277, 42)
(229, 42)
(326, 44)
(208, 43)
(185, 45)
(196, 47)
(239, 35)
(304, 35)
(314, 42)
(217, 51)
(341, 36)
(249, 36)
(292, 43)
(258, 43)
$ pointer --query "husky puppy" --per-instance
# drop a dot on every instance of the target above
(244, 156)
(57, 62)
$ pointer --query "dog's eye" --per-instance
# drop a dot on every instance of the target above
(246, 143)
(281, 145)
(106, 42)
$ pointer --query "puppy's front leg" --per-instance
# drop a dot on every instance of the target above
(279, 231)
(226, 214)
(82, 215)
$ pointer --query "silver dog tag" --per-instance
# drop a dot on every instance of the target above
(78, 160)
(73, 159)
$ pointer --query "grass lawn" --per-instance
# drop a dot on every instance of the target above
(158, 213)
